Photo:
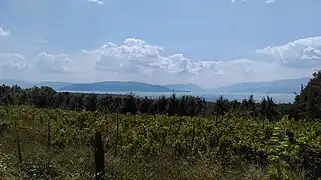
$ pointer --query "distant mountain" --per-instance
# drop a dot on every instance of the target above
(115, 86)
(54, 85)
(184, 87)
(278, 86)
(25, 84)
(97, 86)
(21, 83)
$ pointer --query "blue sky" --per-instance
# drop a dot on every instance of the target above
(208, 42)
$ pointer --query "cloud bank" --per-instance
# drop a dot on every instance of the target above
(138, 60)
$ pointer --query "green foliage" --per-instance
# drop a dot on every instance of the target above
(46, 97)
(279, 138)
(308, 102)
(211, 137)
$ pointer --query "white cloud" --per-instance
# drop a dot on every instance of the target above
(43, 66)
(12, 60)
(4, 32)
(234, 1)
(12, 64)
(148, 63)
(97, 1)
(269, 1)
(137, 60)
(299, 53)
(53, 64)
(137, 56)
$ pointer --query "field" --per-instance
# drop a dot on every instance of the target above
(59, 144)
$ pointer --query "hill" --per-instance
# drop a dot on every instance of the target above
(115, 86)
(54, 85)
(278, 86)
(21, 83)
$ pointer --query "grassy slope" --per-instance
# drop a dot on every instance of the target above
(149, 147)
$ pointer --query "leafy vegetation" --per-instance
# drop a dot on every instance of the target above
(51, 135)
(46, 97)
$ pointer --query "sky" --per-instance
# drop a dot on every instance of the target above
(211, 43)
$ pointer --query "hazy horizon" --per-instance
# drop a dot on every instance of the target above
(211, 44)
(208, 96)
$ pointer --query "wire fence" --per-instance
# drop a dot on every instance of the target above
(41, 152)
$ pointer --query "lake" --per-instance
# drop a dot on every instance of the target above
(210, 96)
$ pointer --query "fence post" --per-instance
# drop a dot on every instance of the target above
(99, 157)
(193, 134)
(48, 132)
(18, 142)
(117, 129)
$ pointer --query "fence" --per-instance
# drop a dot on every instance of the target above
(41, 152)
(45, 144)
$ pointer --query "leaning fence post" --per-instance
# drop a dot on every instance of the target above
(117, 132)
(48, 132)
(18, 142)
(99, 157)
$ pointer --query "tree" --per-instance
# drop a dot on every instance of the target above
(144, 105)
(91, 102)
(172, 105)
(129, 104)
(308, 102)
(268, 108)
(221, 106)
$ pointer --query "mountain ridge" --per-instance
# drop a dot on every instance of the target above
(116, 86)
(277, 86)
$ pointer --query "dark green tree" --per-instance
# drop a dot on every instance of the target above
(91, 102)
(307, 104)
(129, 104)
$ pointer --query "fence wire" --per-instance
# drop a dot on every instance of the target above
(36, 150)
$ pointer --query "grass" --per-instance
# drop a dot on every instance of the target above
(148, 147)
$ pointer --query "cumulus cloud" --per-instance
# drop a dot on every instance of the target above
(298, 54)
(12, 61)
(97, 1)
(136, 56)
(138, 60)
(4, 32)
(55, 64)
(43, 66)
(12, 64)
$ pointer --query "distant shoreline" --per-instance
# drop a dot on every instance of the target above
(208, 96)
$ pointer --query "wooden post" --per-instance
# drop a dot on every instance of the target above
(99, 157)
(117, 132)
(18, 143)
(48, 132)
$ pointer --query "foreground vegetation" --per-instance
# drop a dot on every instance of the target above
(49, 135)
(59, 144)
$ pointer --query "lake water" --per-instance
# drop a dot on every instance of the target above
(210, 96)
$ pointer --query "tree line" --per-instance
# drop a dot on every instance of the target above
(46, 97)
(307, 103)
